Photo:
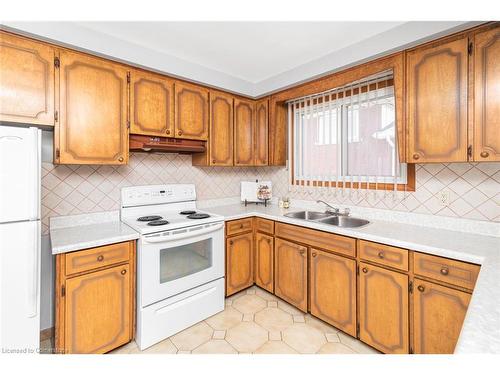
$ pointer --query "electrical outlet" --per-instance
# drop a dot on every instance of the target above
(444, 197)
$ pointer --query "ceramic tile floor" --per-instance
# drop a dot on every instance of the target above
(255, 321)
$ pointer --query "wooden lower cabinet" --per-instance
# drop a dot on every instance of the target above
(95, 309)
(332, 289)
(239, 263)
(264, 261)
(383, 309)
(290, 280)
(439, 313)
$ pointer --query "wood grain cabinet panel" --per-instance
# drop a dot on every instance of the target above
(264, 261)
(437, 102)
(264, 225)
(93, 111)
(278, 130)
(487, 95)
(26, 81)
(98, 257)
(383, 254)
(221, 129)
(383, 309)
(239, 226)
(262, 132)
(439, 313)
(191, 111)
(244, 132)
(239, 263)
(151, 104)
(332, 289)
(290, 267)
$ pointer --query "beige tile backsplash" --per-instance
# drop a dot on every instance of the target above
(474, 189)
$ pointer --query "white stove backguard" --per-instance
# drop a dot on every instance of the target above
(134, 196)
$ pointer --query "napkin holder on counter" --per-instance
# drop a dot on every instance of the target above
(256, 192)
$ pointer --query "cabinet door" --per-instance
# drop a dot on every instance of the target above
(264, 261)
(383, 309)
(97, 314)
(439, 313)
(221, 129)
(93, 104)
(333, 289)
(437, 103)
(191, 111)
(244, 132)
(487, 95)
(151, 104)
(261, 132)
(239, 263)
(26, 81)
(290, 280)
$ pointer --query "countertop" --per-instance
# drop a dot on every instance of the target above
(72, 233)
(481, 329)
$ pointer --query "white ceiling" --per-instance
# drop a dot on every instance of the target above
(250, 58)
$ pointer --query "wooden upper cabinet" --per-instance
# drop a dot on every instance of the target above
(439, 313)
(278, 118)
(191, 111)
(97, 311)
(383, 309)
(290, 267)
(437, 102)
(244, 132)
(93, 111)
(221, 129)
(262, 132)
(487, 95)
(239, 263)
(26, 81)
(151, 104)
(332, 289)
(264, 261)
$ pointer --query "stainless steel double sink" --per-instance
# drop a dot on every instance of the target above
(328, 218)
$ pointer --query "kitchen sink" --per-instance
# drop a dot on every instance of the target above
(344, 221)
(308, 215)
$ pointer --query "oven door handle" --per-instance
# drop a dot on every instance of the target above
(183, 235)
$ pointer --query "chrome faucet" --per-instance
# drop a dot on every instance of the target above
(333, 210)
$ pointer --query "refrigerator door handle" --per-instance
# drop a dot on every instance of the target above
(34, 273)
(37, 175)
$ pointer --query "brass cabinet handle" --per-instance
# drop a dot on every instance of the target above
(120, 159)
(444, 271)
(123, 272)
(179, 132)
(168, 131)
(100, 258)
(381, 254)
(416, 156)
(421, 288)
(365, 270)
(484, 154)
(314, 255)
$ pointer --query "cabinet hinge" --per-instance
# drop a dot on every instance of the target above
(410, 287)
(357, 269)
(56, 116)
(469, 151)
(57, 62)
(63, 291)
(357, 330)
(128, 77)
(128, 124)
(58, 153)
(470, 48)
(411, 350)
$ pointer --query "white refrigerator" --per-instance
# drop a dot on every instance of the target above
(20, 175)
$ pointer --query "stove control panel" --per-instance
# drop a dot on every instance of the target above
(157, 194)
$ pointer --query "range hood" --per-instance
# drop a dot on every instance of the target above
(147, 143)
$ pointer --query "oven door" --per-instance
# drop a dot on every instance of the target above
(175, 261)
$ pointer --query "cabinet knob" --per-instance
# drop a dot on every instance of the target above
(179, 132)
(123, 272)
(100, 258)
(231, 242)
(444, 271)
(416, 156)
(365, 270)
(302, 251)
(120, 159)
(314, 255)
(241, 226)
(268, 240)
(381, 254)
(214, 161)
(168, 132)
(484, 154)
(421, 288)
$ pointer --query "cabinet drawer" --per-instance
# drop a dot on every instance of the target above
(264, 225)
(383, 254)
(85, 260)
(318, 239)
(238, 226)
(446, 270)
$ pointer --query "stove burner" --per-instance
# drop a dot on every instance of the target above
(188, 212)
(149, 218)
(158, 222)
(198, 216)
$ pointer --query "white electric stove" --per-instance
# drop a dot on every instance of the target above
(180, 268)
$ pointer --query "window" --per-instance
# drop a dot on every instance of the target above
(347, 136)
